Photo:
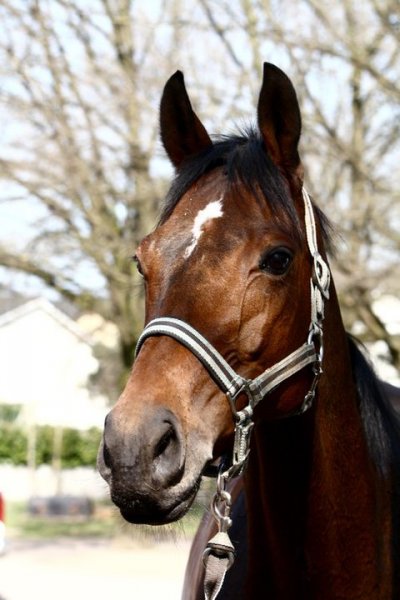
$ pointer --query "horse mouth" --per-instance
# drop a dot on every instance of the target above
(153, 510)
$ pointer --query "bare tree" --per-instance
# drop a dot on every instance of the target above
(77, 89)
(82, 82)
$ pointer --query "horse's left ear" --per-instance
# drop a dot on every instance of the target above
(182, 132)
(279, 120)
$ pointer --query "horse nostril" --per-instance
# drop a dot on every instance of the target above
(106, 456)
(168, 455)
(166, 440)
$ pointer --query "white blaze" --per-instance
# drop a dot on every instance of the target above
(213, 210)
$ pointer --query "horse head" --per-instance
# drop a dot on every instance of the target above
(229, 257)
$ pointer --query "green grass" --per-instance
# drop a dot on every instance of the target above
(21, 524)
(105, 523)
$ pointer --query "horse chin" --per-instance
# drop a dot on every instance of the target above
(162, 516)
(156, 511)
(160, 511)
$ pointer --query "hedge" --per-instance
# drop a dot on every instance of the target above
(79, 448)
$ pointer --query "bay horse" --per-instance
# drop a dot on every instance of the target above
(245, 358)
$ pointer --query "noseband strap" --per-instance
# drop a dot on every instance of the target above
(230, 382)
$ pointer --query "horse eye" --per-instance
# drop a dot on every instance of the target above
(276, 261)
(138, 265)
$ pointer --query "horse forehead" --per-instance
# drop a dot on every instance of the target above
(212, 210)
(191, 222)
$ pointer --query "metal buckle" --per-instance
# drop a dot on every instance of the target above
(241, 446)
(243, 428)
(321, 275)
(316, 337)
(244, 389)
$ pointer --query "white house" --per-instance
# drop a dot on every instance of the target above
(388, 310)
(46, 359)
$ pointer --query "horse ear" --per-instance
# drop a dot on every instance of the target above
(182, 133)
(279, 120)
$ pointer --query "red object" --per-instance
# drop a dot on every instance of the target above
(2, 510)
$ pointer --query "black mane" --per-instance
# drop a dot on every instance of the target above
(245, 162)
(380, 420)
(382, 431)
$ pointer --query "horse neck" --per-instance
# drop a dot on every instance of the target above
(310, 492)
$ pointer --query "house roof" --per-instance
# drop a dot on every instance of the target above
(44, 305)
(9, 299)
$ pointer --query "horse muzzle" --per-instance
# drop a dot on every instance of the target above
(145, 467)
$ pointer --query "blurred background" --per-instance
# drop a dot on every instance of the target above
(82, 178)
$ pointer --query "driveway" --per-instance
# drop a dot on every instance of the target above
(93, 570)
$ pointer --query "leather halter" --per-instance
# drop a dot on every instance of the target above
(230, 382)
(219, 554)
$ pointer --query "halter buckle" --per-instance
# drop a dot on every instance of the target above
(321, 275)
(316, 337)
(241, 445)
(243, 428)
(242, 388)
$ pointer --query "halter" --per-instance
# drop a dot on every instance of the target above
(219, 553)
